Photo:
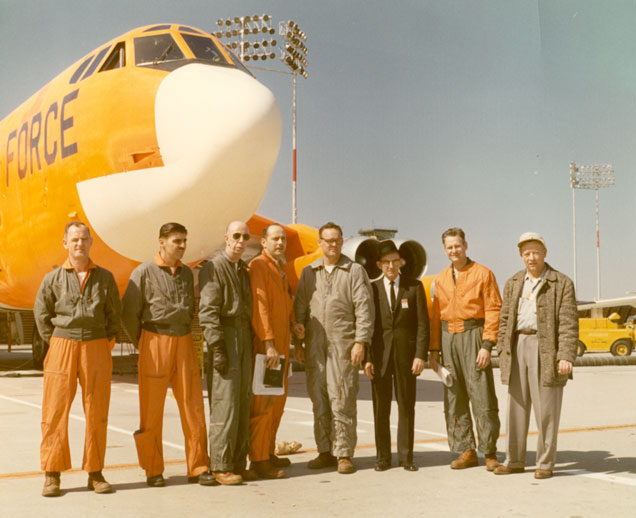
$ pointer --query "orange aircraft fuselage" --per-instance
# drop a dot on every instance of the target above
(101, 117)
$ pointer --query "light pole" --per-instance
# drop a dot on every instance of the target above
(241, 26)
(294, 56)
(590, 177)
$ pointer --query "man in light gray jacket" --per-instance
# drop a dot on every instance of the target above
(335, 305)
(538, 332)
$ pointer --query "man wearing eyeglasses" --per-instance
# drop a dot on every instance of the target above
(397, 353)
(538, 333)
(225, 312)
(158, 308)
(335, 306)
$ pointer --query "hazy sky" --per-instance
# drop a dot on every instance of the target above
(418, 114)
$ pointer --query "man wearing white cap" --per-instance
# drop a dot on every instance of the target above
(538, 332)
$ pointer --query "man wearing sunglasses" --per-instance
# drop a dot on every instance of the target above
(397, 353)
(335, 306)
(158, 308)
(225, 312)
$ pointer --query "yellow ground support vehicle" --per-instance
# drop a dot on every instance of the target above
(607, 334)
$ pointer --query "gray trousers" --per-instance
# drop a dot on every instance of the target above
(470, 384)
(230, 396)
(332, 384)
(525, 391)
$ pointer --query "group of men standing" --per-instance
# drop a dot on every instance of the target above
(338, 322)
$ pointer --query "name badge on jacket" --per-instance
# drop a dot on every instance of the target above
(405, 303)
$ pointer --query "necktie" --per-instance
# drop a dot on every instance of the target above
(393, 301)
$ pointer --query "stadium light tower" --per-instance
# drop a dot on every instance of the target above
(235, 30)
(590, 177)
(294, 55)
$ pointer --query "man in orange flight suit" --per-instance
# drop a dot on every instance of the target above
(77, 312)
(272, 321)
(158, 308)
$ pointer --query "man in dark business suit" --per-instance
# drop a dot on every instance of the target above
(396, 356)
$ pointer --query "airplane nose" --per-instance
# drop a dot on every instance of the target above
(217, 111)
(219, 132)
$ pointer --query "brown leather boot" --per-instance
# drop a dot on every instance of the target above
(97, 483)
(324, 460)
(51, 484)
(227, 478)
(265, 469)
(467, 459)
(491, 462)
(543, 473)
(345, 466)
(507, 470)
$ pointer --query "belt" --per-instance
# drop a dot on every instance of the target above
(527, 331)
(470, 323)
(234, 321)
(167, 329)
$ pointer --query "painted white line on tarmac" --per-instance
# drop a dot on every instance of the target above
(599, 476)
(82, 418)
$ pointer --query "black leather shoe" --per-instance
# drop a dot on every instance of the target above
(156, 481)
(207, 479)
(382, 465)
(409, 466)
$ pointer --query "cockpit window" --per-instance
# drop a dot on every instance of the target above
(190, 29)
(76, 75)
(204, 48)
(157, 28)
(96, 61)
(156, 50)
(237, 62)
(117, 58)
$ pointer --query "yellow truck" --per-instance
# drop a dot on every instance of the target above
(607, 334)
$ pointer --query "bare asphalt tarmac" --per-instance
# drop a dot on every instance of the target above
(595, 474)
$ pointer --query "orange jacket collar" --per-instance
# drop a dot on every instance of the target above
(68, 266)
(160, 262)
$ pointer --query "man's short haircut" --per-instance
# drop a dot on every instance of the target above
(266, 229)
(387, 247)
(171, 228)
(454, 232)
(77, 224)
(327, 226)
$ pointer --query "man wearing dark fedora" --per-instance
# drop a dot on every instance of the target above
(396, 355)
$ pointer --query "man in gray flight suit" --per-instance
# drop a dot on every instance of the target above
(225, 312)
(335, 305)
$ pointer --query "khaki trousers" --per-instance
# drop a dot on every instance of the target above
(332, 384)
(170, 360)
(65, 363)
(525, 392)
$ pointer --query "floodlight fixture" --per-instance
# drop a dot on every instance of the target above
(590, 177)
(244, 26)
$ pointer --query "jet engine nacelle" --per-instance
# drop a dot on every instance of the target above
(364, 250)
(414, 255)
